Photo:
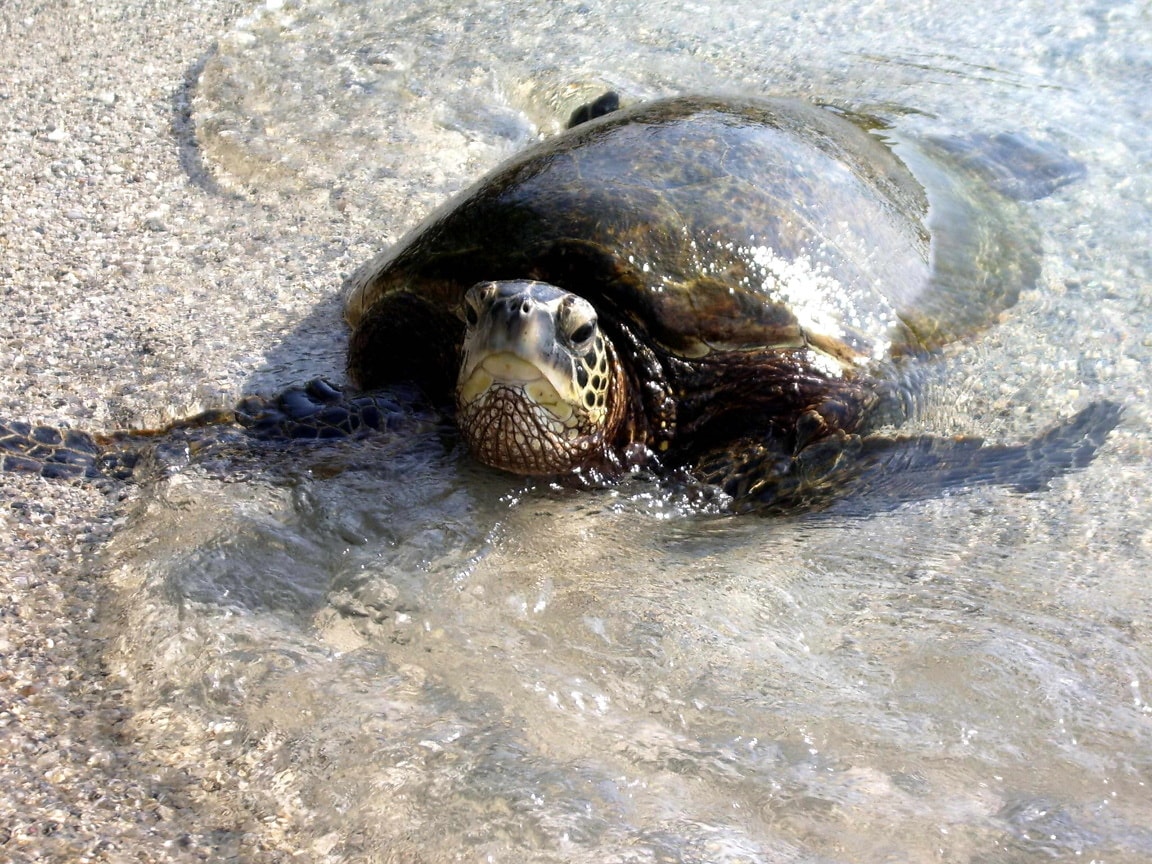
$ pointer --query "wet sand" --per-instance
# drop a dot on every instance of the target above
(132, 290)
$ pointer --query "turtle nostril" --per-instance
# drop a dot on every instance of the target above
(525, 307)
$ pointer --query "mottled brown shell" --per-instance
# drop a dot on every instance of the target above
(718, 226)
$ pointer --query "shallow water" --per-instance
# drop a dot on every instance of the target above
(417, 659)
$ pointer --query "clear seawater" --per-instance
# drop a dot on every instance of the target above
(422, 660)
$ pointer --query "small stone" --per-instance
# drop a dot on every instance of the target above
(57, 135)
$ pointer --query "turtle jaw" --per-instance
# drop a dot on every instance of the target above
(533, 391)
(509, 429)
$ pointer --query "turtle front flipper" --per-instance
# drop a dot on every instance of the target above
(765, 477)
(876, 473)
(316, 411)
(905, 468)
(1013, 163)
(59, 454)
(103, 458)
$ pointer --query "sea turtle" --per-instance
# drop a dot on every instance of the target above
(735, 290)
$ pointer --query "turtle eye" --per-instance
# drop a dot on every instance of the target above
(470, 309)
(583, 333)
(475, 299)
(579, 322)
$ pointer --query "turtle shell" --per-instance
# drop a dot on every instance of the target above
(713, 226)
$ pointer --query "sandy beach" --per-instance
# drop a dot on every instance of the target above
(130, 293)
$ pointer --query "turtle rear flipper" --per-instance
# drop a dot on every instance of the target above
(606, 103)
(1014, 163)
(880, 472)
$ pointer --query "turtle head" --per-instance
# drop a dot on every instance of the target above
(539, 382)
